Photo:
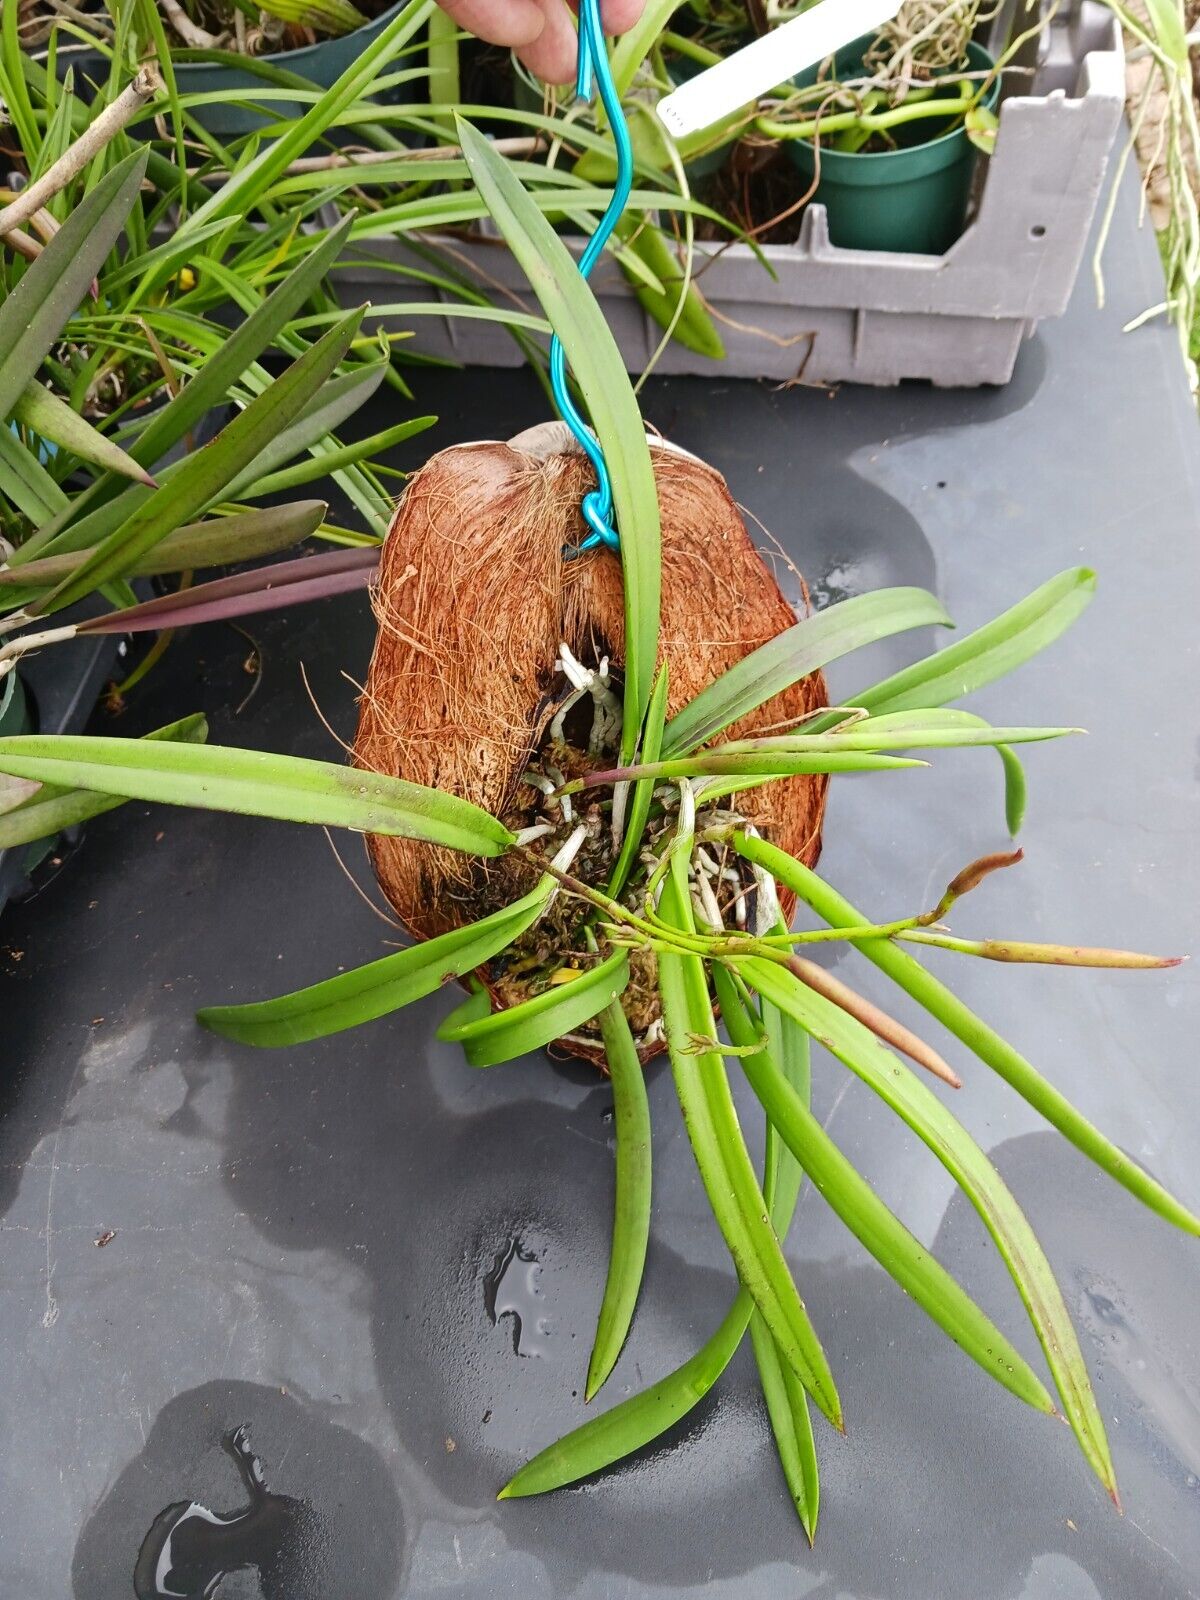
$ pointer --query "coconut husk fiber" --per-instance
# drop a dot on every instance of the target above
(472, 600)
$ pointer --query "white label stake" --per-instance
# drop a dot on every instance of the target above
(764, 63)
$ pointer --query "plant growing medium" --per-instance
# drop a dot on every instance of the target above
(656, 806)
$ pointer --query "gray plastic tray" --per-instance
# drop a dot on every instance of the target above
(827, 314)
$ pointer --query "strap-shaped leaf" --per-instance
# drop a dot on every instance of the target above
(860, 1208)
(49, 809)
(41, 410)
(967, 1164)
(244, 594)
(33, 315)
(787, 1407)
(25, 481)
(505, 1035)
(243, 192)
(635, 1422)
(600, 371)
(785, 1396)
(961, 1021)
(244, 536)
(255, 783)
(641, 794)
(991, 652)
(725, 1167)
(631, 1210)
(209, 388)
(201, 478)
(380, 987)
(644, 1416)
(338, 399)
(792, 655)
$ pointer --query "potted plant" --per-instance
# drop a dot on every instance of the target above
(239, 59)
(741, 271)
(618, 894)
(89, 513)
(885, 133)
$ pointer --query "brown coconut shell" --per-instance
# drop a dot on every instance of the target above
(472, 600)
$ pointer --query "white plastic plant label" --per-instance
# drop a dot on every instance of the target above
(771, 60)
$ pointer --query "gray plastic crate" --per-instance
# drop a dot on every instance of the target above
(831, 315)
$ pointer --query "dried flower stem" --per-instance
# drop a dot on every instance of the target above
(76, 157)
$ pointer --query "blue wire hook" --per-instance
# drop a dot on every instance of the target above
(594, 70)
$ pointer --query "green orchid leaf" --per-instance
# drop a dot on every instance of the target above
(330, 461)
(380, 987)
(33, 314)
(244, 536)
(641, 794)
(43, 413)
(50, 809)
(962, 1022)
(208, 389)
(245, 190)
(631, 1212)
(505, 1035)
(990, 652)
(872, 1223)
(635, 1422)
(600, 372)
(200, 478)
(339, 399)
(967, 1164)
(25, 481)
(643, 1417)
(792, 655)
(725, 1167)
(786, 1400)
(791, 1423)
(255, 783)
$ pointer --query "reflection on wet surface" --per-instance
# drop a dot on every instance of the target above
(321, 1519)
(513, 1289)
(190, 1550)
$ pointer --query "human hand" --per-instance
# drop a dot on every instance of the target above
(540, 31)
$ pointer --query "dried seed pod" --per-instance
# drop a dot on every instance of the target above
(472, 601)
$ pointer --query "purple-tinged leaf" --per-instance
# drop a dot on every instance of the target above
(269, 588)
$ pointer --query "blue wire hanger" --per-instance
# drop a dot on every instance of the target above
(595, 71)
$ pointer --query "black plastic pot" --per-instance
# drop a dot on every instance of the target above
(238, 79)
(317, 66)
(55, 692)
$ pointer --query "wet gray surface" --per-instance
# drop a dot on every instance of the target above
(387, 1266)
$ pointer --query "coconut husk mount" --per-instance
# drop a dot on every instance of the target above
(474, 600)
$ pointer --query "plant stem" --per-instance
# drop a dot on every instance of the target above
(1054, 955)
(93, 139)
(870, 122)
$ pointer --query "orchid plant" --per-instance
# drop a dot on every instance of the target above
(679, 780)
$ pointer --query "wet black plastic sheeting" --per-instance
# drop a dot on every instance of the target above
(386, 1266)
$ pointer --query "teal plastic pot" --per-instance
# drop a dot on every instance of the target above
(913, 198)
(318, 66)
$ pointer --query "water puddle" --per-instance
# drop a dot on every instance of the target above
(513, 1289)
(190, 1550)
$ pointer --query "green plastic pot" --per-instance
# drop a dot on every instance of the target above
(317, 66)
(911, 199)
